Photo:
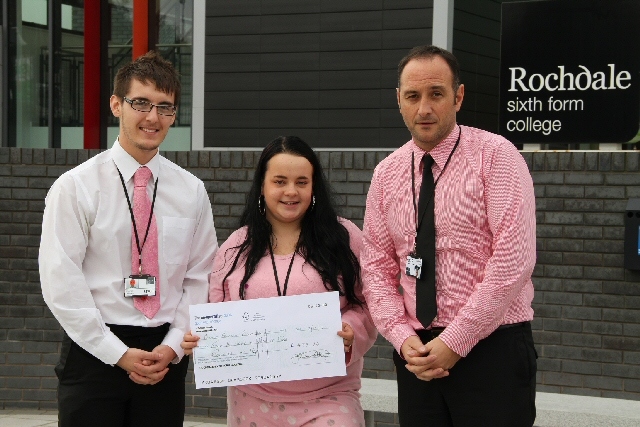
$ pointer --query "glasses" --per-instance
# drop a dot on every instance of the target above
(146, 106)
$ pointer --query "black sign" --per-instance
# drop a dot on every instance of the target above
(570, 71)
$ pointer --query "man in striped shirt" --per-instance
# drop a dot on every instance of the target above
(474, 364)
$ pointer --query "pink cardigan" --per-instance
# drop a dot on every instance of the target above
(304, 279)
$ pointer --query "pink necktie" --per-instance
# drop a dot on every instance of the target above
(149, 306)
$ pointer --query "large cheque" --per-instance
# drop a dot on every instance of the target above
(267, 340)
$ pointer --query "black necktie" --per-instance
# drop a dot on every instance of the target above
(426, 309)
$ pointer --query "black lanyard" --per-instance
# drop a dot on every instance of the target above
(133, 220)
(275, 272)
(413, 184)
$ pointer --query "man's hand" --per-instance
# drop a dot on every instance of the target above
(147, 367)
(421, 362)
(153, 371)
(134, 358)
(446, 358)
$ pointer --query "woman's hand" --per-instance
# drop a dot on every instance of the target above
(189, 343)
(347, 336)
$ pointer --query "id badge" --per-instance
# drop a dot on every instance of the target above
(142, 285)
(414, 266)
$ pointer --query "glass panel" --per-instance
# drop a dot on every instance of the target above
(175, 40)
(120, 50)
(29, 121)
(28, 105)
(67, 17)
(71, 102)
(29, 51)
(35, 12)
(175, 43)
(121, 39)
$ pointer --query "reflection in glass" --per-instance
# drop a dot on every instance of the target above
(29, 55)
(29, 43)
(175, 39)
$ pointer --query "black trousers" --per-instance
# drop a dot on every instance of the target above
(92, 393)
(494, 386)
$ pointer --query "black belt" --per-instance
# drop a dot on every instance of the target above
(427, 335)
(145, 338)
(126, 331)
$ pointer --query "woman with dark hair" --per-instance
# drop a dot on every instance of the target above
(291, 242)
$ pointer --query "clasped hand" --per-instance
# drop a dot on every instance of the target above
(146, 367)
(428, 361)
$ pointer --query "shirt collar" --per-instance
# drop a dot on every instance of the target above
(128, 165)
(440, 152)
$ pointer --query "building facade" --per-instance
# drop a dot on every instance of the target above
(324, 70)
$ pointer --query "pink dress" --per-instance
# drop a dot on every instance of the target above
(328, 401)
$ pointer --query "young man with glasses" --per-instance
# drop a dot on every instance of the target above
(127, 244)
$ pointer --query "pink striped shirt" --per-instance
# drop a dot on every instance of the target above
(485, 239)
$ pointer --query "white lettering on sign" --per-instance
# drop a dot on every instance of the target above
(563, 80)
(529, 124)
(565, 104)
(531, 104)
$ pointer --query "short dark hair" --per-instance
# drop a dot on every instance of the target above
(427, 52)
(150, 67)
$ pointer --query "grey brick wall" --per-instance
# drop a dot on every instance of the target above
(587, 306)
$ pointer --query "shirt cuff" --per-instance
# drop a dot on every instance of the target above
(173, 339)
(458, 340)
(399, 335)
(111, 349)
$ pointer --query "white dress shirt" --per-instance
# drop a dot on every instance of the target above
(85, 250)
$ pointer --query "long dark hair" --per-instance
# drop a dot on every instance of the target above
(324, 242)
